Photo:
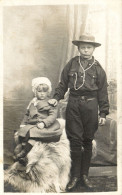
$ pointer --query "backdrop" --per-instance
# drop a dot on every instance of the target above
(37, 42)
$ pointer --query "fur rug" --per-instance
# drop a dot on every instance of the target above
(47, 170)
(48, 167)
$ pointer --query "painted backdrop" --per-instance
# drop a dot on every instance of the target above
(36, 43)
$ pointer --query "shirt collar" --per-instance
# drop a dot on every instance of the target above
(89, 61)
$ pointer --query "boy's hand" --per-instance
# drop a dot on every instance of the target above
(53, 102)
(102, 121)
(40, 125)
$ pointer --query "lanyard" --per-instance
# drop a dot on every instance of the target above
(84, 75)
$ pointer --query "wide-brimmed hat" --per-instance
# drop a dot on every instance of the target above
(86, 38)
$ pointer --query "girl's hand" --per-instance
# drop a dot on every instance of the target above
(53, 102)
(22, 126)
(40, 125)
(102, 121)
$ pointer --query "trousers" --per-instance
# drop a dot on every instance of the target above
(81, 125)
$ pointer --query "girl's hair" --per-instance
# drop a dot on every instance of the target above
(42, 87)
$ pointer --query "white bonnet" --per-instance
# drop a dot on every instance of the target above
(41, 80)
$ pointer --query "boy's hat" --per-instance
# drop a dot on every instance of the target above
(41, 80)
(86, 38)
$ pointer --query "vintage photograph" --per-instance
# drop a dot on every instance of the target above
(61, 67)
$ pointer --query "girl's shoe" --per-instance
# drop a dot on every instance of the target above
(22, 154)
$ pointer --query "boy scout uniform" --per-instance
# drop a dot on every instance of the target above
(87, 82)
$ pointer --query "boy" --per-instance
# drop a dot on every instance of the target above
(39, 123)
(87, 84)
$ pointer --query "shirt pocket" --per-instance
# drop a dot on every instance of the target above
(72, 76)
(92, 78)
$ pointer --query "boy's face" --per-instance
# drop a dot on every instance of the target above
(42, 92)
(86, 50)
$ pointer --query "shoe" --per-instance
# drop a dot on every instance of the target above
(86, 182)
(22, 154)
(72, 184)
(15, 158)
(23, 161)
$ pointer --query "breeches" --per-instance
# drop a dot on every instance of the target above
(81, 120)
(81, 125)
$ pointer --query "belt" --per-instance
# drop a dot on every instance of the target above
(83, 98)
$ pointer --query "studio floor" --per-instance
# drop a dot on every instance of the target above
(104, 179)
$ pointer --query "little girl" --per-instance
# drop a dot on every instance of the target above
(39, 123)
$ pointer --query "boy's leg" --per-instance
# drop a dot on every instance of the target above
(85, 163)
(74, 130)
(76, 157)
(89, 131)
(81, 123)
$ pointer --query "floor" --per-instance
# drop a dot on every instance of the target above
(104, 179)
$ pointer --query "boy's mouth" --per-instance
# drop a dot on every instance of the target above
(86, 55)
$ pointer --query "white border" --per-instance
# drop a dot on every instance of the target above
(118, 10)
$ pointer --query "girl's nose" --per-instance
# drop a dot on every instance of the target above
(86, 49)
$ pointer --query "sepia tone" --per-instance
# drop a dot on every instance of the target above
(38, 42)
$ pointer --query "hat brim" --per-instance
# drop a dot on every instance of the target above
(76, 42)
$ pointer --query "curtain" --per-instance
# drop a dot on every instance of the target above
(76, 16)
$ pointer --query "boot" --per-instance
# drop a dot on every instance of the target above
(76, 156)
(25, 151)
(86, 182)
(73, 183)
(85, 164)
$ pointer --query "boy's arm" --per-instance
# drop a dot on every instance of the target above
(103, 94)
(63, 84)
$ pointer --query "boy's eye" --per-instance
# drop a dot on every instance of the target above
(82, 48)
(85, 47)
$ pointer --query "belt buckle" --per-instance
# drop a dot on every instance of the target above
(83, 98)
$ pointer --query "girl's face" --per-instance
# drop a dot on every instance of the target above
(42, 92)
(86, 50)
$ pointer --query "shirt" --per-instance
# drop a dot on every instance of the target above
(84, 78)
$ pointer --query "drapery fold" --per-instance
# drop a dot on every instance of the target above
(76, 16)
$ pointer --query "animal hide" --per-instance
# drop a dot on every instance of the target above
(47, 170)
(48, 167)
